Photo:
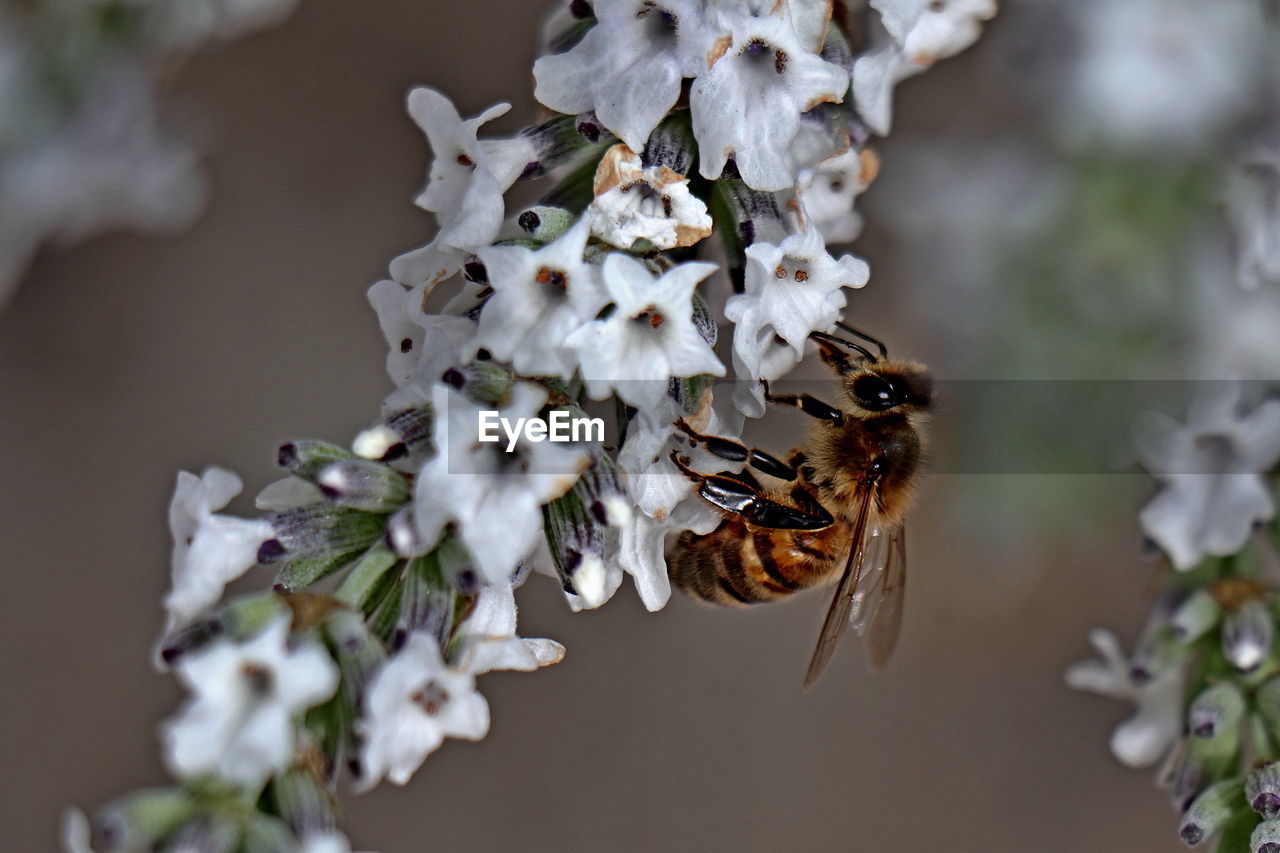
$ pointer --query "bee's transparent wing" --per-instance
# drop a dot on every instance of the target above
(869, 585)
(837, 619)
(879, 614)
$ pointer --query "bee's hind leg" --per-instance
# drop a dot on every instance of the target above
(748, 502)
(736, 451)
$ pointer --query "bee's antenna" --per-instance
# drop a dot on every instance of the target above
(884, 351)
(823, 336)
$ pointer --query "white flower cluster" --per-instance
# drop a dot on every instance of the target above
(397, 560)
(82, 144)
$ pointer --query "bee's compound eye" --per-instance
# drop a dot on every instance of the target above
(875, 393)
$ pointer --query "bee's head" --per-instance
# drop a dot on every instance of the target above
(876, 384)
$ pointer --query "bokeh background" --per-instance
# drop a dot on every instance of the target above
(126, 358)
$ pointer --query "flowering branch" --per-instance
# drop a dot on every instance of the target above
(397, 559)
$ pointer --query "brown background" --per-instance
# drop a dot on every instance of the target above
(127, 358)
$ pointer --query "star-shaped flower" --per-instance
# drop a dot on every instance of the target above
(464, 186)
(209, 551)
(633, 203)
(747, 105)
(491, 495)
(239, 722)
(629, 66)
(828, 191)
(1211, 469)
(649, 336)
(1149, 734)
(539, 297)
(420, 346)
(413, 703)
(791, 289)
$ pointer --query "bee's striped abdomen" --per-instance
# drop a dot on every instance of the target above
(740, 564)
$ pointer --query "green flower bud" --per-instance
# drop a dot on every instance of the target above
(313, 531)
(1218, 708)
(1266, 837)
(404, 436)
(364, 485)
(305, 458)
(1262, 790)
(485, 383)
(1196, 616)
(1211, 811)
(544, 223)
(140, 820)
(1247, 635)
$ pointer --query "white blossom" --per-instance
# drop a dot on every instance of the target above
(464, 186)
(413, 703)
(790, 290)
(1148, 735)
(828, 190)
(1253, 206)
(1211, 470)
(493, 496)
(420, 346)
(629, 66)
(633, 202)
(748, 103)
(239, 721)
(329, 841)
(539, 297)
(875, 74)
(209, 551)
(929, 30)
(648, 338)
(76, 832)
(488, 641)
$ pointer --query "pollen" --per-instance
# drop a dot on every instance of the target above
(802, 276)
(464, 160)
(780, 271)
(550, 276)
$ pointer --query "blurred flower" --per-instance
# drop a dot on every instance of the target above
(748, 104)
(1211, 468)
(239, 723)
(493, 496)
(648, 337)
(1162, 74)
(629, 66)
(1147, 736)
(633, 202)
(413, 704)
(792, 289)
(76, 833)
(1253, 206)
(539, 297)
(187, 23)
(464, 187)
(929, 30)
(874, 75)
(209, 551)
(330, 841)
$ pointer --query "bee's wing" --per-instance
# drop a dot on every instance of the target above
(881, 616)
(837, 620)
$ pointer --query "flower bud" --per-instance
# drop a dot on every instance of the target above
(358, 652)
(364, 585)
(364, 485)
(209, 834)
(403, 535)
(576, 539)
(305, 458)
(1247, 635)
(1262, 790)
(1195, 617)
(1216, 710)
(484, 383)
(426, 604)
(1203, 761)
(1266, 837)
(265, 834)
(302, 802)
(560, 139)
(1211, 811)
(544, 223)
(300, 574)
(313, 531)
(140, 820)
(404, 435)
(671, 144)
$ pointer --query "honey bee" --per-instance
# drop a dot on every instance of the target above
(839, 513)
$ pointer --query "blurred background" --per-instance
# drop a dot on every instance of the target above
(1035, 218)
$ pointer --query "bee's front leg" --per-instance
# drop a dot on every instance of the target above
(810, 405)
(748, 503)
(736, 451)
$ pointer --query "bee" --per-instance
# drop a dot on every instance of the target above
(839, 512)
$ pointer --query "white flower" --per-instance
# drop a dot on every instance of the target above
(412, 705)
(633, 202)
(629, 66)
(929, 30)
(875, 73)
(1211, 469)
(539, 297)
(1253, 205)
(187, 23)
(791, 289)
(828, 190)
(420, 346)
(464, 186)
(239, 722)
(1163, 73)
(209, 551)
(76, 833)
(488, 640)
(1150, 733)
(329, 841)
(748, 103)
(648, 338)
(492, 495)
